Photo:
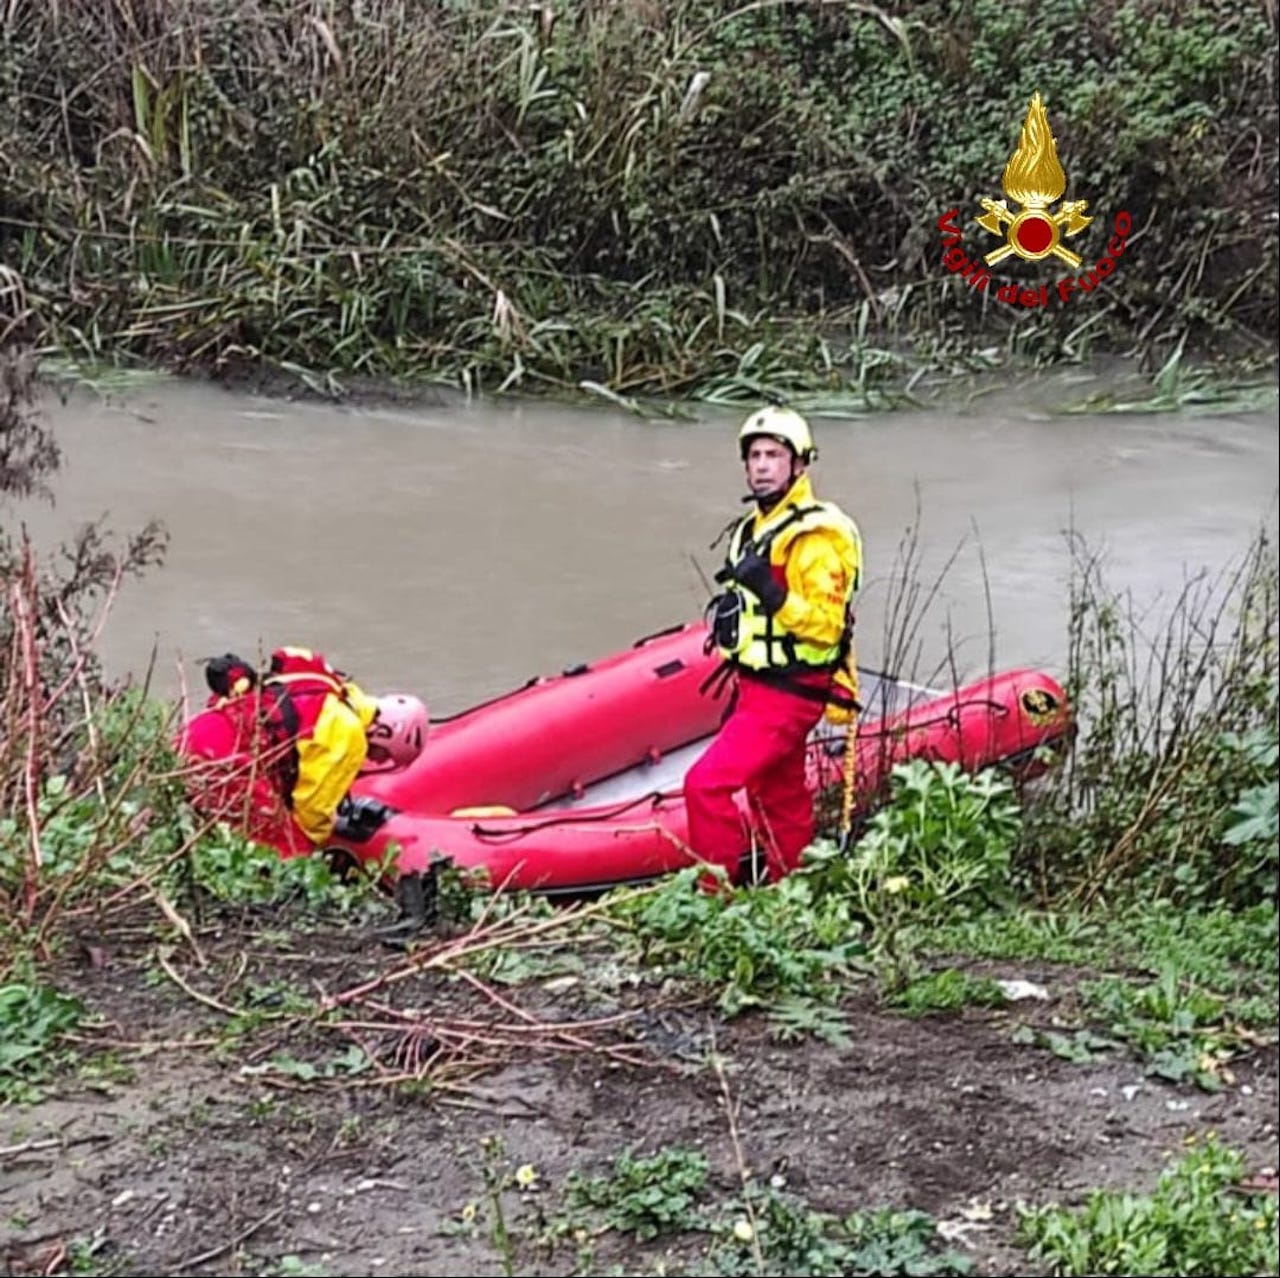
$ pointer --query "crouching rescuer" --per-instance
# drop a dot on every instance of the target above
(784, 627)
(311, 730)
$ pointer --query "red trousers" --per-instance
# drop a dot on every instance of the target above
(760, 748)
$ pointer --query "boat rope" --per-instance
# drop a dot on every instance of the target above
(492, 701)
(950, 716)
(653, 797)
(850, 769)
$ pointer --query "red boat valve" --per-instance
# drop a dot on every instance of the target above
(654, 755)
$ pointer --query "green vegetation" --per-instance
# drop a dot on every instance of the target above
(633, 199)
(1170, 792)
(789, 1237)
(1198, 1221)
(750, 946)
(32, 1019)
(758, 1230)
(1180, 387)
(946, 991)
(642, 1196)
(940, 849)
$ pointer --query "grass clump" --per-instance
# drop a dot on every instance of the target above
(643, 1196)
(753, 945)
(776, 1232)
(946, 991)
(1198, 1221)
(33, 1018)
(671, 1196)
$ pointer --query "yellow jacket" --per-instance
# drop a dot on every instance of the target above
(823, 567)
(330, 759)
(323, 716)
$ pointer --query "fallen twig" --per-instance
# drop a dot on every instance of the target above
(142, 1044)
(481, 938)
(194, 993)
(744, 1173)
(51, 1142)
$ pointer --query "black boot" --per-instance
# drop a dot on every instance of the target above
(418, 896)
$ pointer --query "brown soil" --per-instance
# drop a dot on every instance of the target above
(174, 1155)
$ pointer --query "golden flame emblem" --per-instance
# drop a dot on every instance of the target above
(1034, 179)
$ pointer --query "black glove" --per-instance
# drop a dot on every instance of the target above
(724, 611)
(357, 820)
(753, 571)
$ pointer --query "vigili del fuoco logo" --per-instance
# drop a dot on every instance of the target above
(1033, 181)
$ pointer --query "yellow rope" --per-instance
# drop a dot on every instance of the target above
(850, 755)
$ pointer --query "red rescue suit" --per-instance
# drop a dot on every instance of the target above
(790, 667)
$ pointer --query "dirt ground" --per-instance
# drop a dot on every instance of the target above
(185, 1150)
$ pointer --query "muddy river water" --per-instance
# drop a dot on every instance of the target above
(457, 550)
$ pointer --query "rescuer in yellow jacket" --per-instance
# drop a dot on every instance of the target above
(313, 728)
(784, 625)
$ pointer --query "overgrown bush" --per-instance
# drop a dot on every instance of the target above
(80, 772)
(940, 847)
(1171, 787)
(632, 194)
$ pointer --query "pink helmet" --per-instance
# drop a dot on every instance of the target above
(397, 735)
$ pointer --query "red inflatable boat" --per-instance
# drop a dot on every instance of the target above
(573, 783)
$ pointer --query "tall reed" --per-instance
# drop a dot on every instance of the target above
(1177, 702)
(633, 195)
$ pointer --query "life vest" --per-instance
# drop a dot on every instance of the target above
(761, 645)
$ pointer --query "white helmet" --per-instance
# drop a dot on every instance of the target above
(783, 424)
(397, 735)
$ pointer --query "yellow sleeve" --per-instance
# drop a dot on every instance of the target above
(823, 567)
(329, 760)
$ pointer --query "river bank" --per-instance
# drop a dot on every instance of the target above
(210, 1130)
(628, 200)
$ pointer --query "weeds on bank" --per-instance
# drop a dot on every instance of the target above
(790, 1237)
(939, 848)
(1200, 1220)
(1181, 1031)
(1184, 991)
(946, 991)
(33, 1019)
(634, 186)
(1170, 790)
(752, 945)
(1179, 386)
(669, 1197)
(641, 1196)
(1232, 951)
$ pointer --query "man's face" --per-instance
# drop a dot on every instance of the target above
(769, 467)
